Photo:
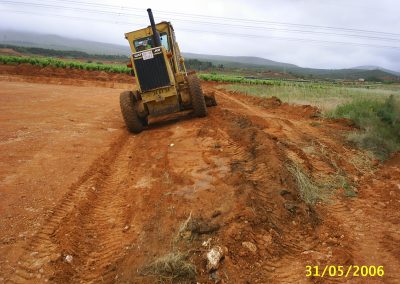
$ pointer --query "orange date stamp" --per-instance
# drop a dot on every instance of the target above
(344, 271)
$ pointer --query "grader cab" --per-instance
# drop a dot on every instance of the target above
(163, 85)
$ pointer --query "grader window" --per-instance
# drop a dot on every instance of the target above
(147, 42)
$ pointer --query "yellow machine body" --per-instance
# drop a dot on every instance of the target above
(162, 84)
(171, 97)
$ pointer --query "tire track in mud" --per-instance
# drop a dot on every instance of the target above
(96, 223)
(81, 226)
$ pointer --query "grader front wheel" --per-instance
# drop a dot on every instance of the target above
(132, 120)
(196, 94)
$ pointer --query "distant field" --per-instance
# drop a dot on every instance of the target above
(236, 79)
(326, 96)
(59, 63)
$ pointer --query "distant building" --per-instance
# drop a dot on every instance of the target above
(361, 80)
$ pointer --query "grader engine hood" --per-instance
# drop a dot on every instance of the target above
(151, 69)
(155, 81)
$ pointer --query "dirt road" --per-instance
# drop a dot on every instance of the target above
(84, 201)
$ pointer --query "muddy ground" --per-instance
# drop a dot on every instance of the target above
(84, 201)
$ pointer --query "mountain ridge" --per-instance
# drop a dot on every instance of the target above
(30, 39)
(373, 67)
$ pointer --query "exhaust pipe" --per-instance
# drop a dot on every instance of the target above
(156, 35)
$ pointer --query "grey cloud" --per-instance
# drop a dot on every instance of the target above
(358, 14)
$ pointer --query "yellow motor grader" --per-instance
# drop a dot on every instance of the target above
(163, 85)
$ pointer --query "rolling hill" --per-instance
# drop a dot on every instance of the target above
(239, 61)
(56, 42)
(370, 67)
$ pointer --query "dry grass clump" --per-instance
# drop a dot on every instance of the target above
(362, 161)
(173, 267)
(310, 191)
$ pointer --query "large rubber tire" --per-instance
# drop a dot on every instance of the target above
(196, 94)
(132, 120)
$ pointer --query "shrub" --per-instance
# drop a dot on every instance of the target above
(379, 124)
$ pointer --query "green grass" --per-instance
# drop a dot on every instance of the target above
(379, 123)
(46, 61)
(224, 78)
(326, 96)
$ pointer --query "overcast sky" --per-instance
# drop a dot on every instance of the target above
(361, 32)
